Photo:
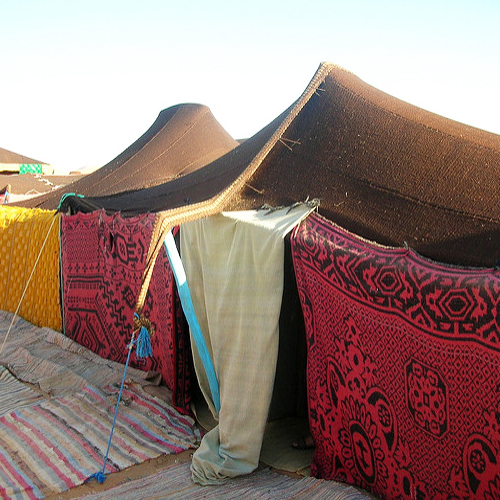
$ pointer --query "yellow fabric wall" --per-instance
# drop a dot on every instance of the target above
(22, 235)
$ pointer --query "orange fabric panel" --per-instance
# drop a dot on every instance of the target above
(29, 238)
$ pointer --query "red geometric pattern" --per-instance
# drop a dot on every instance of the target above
(103, 258)
(426, 398)
(403, 367)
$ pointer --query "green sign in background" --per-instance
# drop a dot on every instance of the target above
(30, 168)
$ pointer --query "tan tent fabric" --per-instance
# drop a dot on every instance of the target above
(234, 268)
(7, 156)
(10, 158)
(29, 185)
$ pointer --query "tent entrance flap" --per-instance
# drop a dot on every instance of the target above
(234, 263)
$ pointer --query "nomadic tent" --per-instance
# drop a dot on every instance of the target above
(382, 168)
(401, 177)
(402, 332)
(16, 163)
(182, 139)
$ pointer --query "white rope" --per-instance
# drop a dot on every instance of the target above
(27, 284)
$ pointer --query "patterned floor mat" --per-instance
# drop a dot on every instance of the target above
(52, 440)
(174, 483)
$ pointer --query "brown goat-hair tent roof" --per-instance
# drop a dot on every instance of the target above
(182, 139)
(382, 168)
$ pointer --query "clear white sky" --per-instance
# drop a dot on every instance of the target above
(80, 80)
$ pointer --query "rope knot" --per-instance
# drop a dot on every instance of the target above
(99, 476)
(142, 321)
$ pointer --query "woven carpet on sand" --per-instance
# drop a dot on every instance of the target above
(175, 483)
(56, 442)
(55, 363)
(15, 394)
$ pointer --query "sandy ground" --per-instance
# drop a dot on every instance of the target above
(117, 478)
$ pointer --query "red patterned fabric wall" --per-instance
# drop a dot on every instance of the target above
(403, 367)
(102, 264)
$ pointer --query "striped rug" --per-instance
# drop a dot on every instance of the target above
(53, 446)
(52, 442)
(174, 483)
(14, 394)
(54, 362)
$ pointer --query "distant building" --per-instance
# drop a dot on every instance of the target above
(19, 164)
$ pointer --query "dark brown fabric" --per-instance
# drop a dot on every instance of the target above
(181, 140)
(198, 186)
(389, 172)
(382, 168)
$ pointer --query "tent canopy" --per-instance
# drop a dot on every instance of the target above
(182, 139)
(382, 168)
(13, 162)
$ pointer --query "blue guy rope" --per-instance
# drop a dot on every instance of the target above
(188, 307)
(145, 351)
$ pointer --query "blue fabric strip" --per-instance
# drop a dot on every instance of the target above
(188, 308)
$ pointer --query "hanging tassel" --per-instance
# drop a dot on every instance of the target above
(143, 347)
